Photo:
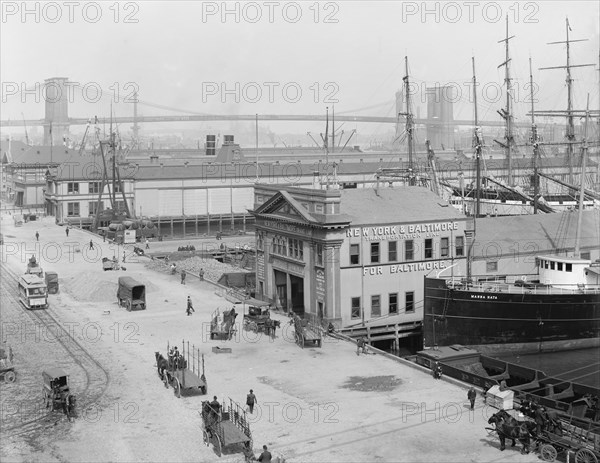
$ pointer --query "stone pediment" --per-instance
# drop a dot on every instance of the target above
(284, 205)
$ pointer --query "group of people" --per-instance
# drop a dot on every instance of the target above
(545, 420)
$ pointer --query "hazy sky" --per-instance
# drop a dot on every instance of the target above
(290, 57)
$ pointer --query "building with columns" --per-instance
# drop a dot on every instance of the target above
(356, 258)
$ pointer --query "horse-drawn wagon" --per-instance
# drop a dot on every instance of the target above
(7, 368)
(182, 370)
(131, 294)
(582, 439)
(257, 316)
(56, 391)
(226, 428)
(222, 325)
(110, 264)
(306, 332)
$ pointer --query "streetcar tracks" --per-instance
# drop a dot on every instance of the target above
(96, 377)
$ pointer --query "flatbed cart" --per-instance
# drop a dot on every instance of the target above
(306, 332)
(222, 324)
(227, 428)
(181, 370)
(7, 367)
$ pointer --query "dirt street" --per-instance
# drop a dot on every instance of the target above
(314, 405)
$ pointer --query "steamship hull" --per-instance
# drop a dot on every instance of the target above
(523, 321)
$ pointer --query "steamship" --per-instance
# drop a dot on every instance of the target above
(557, 309)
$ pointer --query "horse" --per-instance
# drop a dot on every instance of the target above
(162, 364)
(507, 426)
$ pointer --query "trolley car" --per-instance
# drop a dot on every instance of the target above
(33, 292)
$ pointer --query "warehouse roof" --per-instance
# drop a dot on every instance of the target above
(392, 205)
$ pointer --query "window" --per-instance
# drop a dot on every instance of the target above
(319, 251)
(491, 266)
(551, 265)
(355, 311)
(374, 253)
(568, 267)
(409, 301)
(559, 266)
(460, 246)
(119, 206)
(445, 247)
(295, 248)
(428, 248)
(94, 187)
(409, 252)
(72, 187)
(354, 254)
(72, 209)
(585, 255)
(118, 187)
(392, 251)
(393, 303)
(376, 306)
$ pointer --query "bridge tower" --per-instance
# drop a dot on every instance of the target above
(440, 114)
(56, 120)
(135, 127)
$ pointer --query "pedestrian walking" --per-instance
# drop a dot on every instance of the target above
(190, 307)
(67, 231)
(361, 344)
(251, 400)
(123, 256)
(147, 244)
(201, 274)
(91, 244)
(183, 273)
(471, 395)
(37, 236)
(265, 456)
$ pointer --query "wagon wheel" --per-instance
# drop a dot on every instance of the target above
(548, 452)
(219, 446)
(585, 456)
(10, 376)
(253, 326)
(176, 388)
(205, 437)
(166, 379)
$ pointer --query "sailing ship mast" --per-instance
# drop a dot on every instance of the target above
(477, 144)
(506, 113)
(409, 126)
(570, 132)
(536, 146)
(584, 148)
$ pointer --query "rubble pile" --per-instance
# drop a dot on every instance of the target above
(213, 269)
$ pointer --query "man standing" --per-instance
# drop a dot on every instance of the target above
(216, 406)
(471, 395)
(360, 344)
(201, 274)
(540, 420)
(147, 244)
(183, 277)
(190, 308)
(67, 231)
(251, 400)
(37, 236)
(91, 244)
(123, 256)
(265, 456)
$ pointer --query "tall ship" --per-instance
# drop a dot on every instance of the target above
(544, 192)
(555, 308)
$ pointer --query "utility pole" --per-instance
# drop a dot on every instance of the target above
(409, 126)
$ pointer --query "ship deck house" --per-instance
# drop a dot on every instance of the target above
(356, 257)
